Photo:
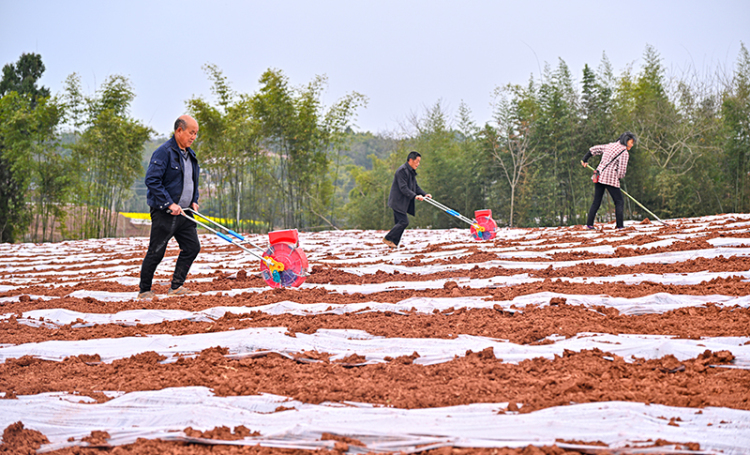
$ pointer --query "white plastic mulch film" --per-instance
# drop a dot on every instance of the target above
(158, 414)
(163, 414)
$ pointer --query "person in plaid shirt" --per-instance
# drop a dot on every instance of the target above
(611, 169)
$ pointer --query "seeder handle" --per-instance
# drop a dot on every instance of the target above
(229, 231)
(452, 212)
(224, 236)
(437, 204)
(238, 236)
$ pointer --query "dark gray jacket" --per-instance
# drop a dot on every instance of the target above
(404, 190)
(164, 175)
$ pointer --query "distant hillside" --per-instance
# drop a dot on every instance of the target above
(362, 145)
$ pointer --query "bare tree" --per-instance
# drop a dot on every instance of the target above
(510, 140)
(676, 115)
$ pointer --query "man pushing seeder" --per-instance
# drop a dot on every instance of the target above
(405, 190)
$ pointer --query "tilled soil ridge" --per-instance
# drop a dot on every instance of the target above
(582, 377)
(529, 325)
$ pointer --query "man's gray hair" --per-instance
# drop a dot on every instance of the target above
(180, 123)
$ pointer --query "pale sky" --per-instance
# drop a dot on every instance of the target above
(403, 55)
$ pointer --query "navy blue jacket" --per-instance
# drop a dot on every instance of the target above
(164, 175)
(404, 189)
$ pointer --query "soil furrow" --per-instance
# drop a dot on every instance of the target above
(527, 326)
(732, 286)
(576, 377)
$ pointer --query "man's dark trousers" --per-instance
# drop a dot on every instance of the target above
(164, 226)
(401, 220)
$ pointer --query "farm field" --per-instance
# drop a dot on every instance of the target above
(543, 341)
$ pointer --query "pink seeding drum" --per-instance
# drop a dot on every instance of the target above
(285, 249)
(484, 219)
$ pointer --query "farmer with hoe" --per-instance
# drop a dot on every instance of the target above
(401, 199)
(607, 176)
(172, 182)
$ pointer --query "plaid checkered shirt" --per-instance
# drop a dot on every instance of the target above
(614, 172)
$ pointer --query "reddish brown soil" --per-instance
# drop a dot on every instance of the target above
(476, 378)
(733, 286)
(20, 441)
(524, 327)
(342, 445)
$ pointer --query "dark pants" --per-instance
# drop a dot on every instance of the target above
(163, 227)
(401, 220)
(598, 195)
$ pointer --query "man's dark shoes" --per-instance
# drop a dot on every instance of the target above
(389, 243)
(182, 290)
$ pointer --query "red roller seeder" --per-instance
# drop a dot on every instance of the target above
(282, 264)
(482, 228)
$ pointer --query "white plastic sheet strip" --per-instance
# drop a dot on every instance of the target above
(652, 304)
(505, 259)
(165, 413)
(343, 343)
(514, 280)
(493, 282)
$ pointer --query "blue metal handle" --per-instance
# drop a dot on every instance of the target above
(225, 237)
(453, 212)
(231, 232)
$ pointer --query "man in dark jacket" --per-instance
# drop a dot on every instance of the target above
(172, 182)
(403, 192)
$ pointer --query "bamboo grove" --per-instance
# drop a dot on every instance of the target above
(280, 158)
